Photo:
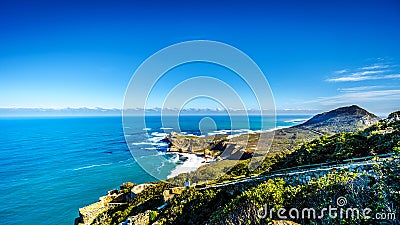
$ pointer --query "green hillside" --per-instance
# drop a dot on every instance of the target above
(219, 202)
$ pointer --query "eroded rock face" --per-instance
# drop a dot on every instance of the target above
(141, 218)
(210, 146)
(88, 213)
(189, 144)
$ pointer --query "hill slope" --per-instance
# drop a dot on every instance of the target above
(344, 119)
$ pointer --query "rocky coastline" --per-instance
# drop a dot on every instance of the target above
(231, 148)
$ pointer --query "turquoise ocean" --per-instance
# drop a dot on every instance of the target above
(50, 167)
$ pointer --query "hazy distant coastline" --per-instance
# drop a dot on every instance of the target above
(98, 111)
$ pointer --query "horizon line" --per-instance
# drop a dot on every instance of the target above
(13, 112)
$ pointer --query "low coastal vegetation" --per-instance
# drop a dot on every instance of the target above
(313, 170)
(380, 138)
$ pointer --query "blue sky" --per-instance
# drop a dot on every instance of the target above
(315, 54)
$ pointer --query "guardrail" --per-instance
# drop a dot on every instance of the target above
(323, 166)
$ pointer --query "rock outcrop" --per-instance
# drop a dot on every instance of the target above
(194, 144)
(88, 213)
(209, 146)
(140, 218)
(128, 191)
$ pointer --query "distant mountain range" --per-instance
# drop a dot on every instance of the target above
(343, 118)
(5, 112)
(98, 111)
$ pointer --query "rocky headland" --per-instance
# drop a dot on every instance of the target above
(244, 146)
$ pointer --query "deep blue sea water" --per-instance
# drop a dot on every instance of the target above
(50, 167)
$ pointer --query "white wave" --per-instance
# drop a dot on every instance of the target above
(155, 139)
(146, 128)
(174, 158)
(126, 160)
(166, 128)
(91, 166)
(218, 132)
(151, 148)
(160, 153)
(243, 131)
(276, 128)
(160, 167)
(192, 163)
(237, 132)
(150, 156)
(158, 134)
(296, 120)
(143, 143)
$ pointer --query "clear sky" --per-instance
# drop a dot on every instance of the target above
(315, 54)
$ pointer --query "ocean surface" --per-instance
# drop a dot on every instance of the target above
(50, 167)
